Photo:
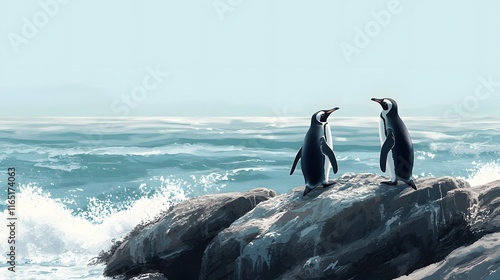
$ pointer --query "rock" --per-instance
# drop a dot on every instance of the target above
(481, 260)
(356, 229)
(149, 276)
(174, 243)
(486, 213)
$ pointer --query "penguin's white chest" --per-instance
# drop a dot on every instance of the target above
(390, 159)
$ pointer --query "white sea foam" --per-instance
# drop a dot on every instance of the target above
(51, 235)
(63, 167)
(465, 148)
(174, 149)
(484, 173)
(423, 155)
(433, 135)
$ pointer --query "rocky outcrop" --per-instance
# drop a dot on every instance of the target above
(173, 244)
(485, 214)
(355, 229)
(481, 260)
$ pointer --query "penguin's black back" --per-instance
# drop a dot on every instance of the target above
(403, 147)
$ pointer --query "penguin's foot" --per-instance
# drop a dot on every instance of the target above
(391, 183)
(306, 191)
(329, 183)
(412, 184)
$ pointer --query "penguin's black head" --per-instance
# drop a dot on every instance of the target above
(321, 116)
(388, 104)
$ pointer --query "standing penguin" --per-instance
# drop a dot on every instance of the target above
(317, 152)
(397, 149)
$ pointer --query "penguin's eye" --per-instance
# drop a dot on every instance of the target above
(387, 105)
(319, 115)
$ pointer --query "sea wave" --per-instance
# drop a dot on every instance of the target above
(174, 149)
(466, 148)
(50, 232)
(97, 177)
(483, 173)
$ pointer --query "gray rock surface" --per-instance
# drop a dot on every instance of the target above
(150, 276)
(486, 213)
(356, 229)
(173, 244)
(481, 260)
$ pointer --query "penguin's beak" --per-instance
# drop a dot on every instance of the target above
(381, 102)
(332, 110)
(327, 113)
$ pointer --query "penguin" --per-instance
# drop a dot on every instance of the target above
(396, 153)
(316, 153)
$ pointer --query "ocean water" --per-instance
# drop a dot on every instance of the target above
(84, 181)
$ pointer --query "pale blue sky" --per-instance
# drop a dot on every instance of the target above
(260, 57)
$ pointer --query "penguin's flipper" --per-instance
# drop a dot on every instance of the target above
(297, 157)
(386, 147)
(327, 151)
(412, 184)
